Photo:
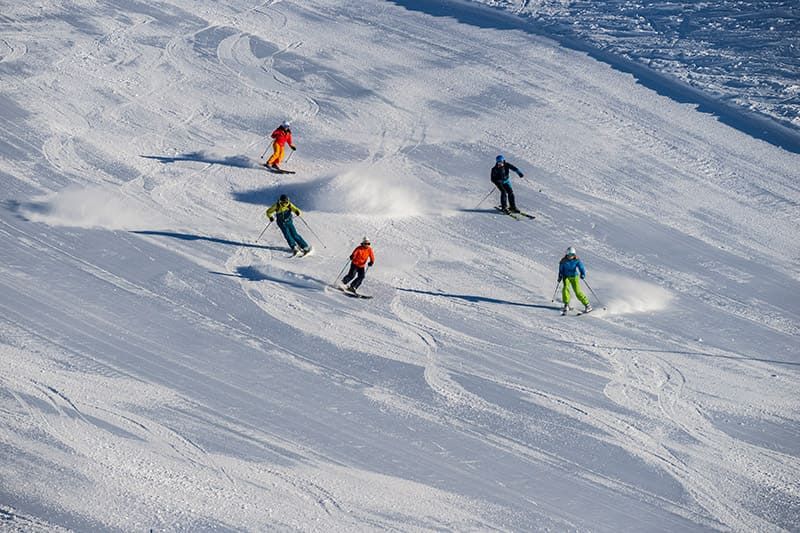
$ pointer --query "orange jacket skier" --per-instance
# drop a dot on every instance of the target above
(359, 259)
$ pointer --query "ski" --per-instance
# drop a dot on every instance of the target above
(277, 170)
(352, 294)
(509, 213)
(515, 215)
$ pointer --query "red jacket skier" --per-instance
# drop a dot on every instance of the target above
(281, 137)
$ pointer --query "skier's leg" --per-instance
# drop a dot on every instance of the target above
(287, 235)
(579, 293)
(512, 204)
(277, 154)
(565, 291)
(350, 274)
(503, 197)
(359, 278)
(296, 236)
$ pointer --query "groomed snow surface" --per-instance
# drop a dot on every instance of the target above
(162, 370)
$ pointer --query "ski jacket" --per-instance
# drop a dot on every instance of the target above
(500, 173)
(569, 266)
(361, 255)
(282, 136)
(283, 211)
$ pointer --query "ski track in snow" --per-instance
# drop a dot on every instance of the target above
(183, 376)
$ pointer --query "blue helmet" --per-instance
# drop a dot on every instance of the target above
(499, 159)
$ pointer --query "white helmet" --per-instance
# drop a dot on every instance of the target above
(286, 124)
(571, 251)
(365, 240)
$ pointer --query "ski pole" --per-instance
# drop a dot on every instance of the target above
(265, 152)
(341, 272)
(593, 293)
(312, 231)
(530, 182)
(485, 198)
(289, 157)
(263, 230)
(553, 299)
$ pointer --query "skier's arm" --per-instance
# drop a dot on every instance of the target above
(289, 140)
(271, 211)
(371, 257)
(294, 209)
(582, 269)
(515, 169)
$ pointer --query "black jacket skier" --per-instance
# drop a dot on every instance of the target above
(500, 177)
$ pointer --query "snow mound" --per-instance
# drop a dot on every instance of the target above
(91, 207)
(631, 295)
(372, 190)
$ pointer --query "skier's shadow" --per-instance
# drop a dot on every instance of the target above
(237, 161)
(251, 273)
(192, 237)
(479, 210)
(302, 194)
(478, 299)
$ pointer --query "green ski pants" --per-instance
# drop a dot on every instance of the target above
(575, 281)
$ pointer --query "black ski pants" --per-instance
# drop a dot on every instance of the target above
(506, 195)
(355, 272)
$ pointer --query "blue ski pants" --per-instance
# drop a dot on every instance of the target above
(291, 235)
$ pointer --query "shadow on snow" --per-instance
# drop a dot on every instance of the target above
(478, 299)
(192, 237)
(250, 273)
(302, 194)
(237, 161)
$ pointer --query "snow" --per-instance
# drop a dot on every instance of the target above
(163, 370)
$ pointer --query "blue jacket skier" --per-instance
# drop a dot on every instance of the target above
(569, 268)
(500, 177)
(282, 211)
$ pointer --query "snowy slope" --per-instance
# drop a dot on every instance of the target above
(745, 53)
(163, 370)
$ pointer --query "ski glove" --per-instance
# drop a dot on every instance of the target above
(293, 147)
(371, 263)
(271, 219)
(583, 276)
(521, 175)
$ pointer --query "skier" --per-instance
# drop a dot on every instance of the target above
(359, 259)
(283, 209)
(282, 136)
(568, 269)
(503, 182)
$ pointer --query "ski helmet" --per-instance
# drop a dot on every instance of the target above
(571, 251)
(286, 124)
(365, 241)
(499, 159)
(283, 198)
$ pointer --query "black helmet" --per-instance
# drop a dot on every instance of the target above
(283, 198)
